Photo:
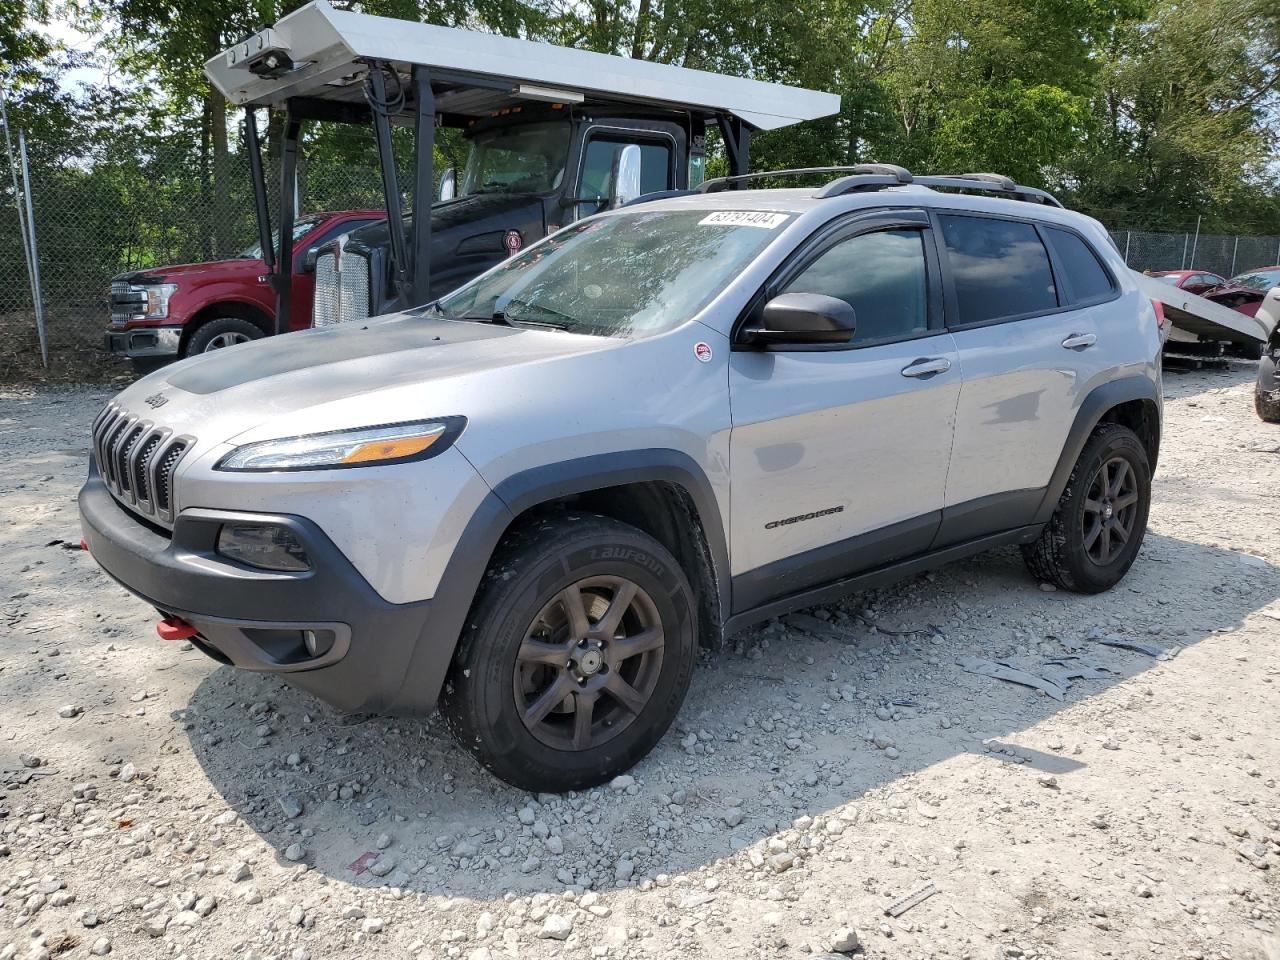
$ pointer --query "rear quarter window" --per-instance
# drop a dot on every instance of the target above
(999, 268)
(1086, 278)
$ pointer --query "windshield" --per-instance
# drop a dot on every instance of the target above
(1259, 279)
(301, 228)
(620, 275)
(525, 159)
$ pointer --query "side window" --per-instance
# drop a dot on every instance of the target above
(999, 267)
(1086, 278)
(881, 275)
(597, 166)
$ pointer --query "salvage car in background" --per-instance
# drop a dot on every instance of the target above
(167, 313)
(1242, 293)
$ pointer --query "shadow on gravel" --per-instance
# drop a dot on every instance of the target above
(776, 735)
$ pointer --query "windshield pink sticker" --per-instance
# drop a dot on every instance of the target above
(744, 218)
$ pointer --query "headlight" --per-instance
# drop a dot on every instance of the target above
(157, 304)
(262, 545)
(365, 447)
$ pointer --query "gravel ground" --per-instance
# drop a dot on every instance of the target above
(153, 804)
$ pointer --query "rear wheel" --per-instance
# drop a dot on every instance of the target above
(1266, 394)
(577, 655)
(222, 332)
(1097, 529)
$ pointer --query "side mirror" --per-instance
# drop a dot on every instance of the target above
(309, 260)
(804, 318)
(625, 178)
(448, 184)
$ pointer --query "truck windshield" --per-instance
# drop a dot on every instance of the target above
(526, 159)
(301, 227)
(620, 275)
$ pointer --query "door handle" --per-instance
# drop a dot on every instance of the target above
(926, 367)
(1078, 341)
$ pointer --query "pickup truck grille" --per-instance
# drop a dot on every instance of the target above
(342, 288)
(125, 303)
(137, 460)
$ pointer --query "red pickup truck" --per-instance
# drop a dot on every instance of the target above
(171, 312)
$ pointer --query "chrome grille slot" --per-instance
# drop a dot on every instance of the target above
(140, 468)
(353, 291)
(165, 468)
(324, 310)
(137, 461)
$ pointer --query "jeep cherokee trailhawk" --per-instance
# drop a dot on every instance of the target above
(533, 500)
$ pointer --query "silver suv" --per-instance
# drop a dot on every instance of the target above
(533, 501)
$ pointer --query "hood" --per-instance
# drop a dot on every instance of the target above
(401, 367)
(217, 269)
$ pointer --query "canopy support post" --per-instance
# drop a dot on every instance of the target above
(424, 142)
(288, 215)
(380, 109)
(260, 207)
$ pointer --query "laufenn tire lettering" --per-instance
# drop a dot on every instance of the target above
(629, 554)
(772, 524)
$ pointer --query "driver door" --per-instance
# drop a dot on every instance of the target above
(839, 457)
(596, 176)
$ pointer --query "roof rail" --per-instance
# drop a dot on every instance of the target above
(884, 174)
(990, 183)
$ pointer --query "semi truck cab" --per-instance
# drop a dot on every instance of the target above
(529, 172)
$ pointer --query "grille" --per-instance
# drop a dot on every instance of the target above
(342, 288)
(137, 460)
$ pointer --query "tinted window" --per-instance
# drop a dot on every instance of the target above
(999, 267)
(1086, 277)
(597, 166)
(881, 275)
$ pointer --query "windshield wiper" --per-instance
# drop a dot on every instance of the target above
(567, 323)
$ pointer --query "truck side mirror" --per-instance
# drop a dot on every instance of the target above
(625, 179)
(448, 184)
(309, 259)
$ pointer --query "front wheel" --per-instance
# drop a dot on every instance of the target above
(1097, 529)
(578, 652)
(221, 333)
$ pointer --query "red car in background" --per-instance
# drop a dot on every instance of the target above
(172, 312)
(1243, 293)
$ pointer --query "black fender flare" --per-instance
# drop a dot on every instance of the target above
(1101, 399)
(437, 645)
(655, 464)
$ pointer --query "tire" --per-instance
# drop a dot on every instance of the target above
(502, 708)
(1077, 550)
(221, 332)
(1266, 393)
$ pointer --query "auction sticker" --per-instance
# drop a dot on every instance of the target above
(744, 218)
(702, 351)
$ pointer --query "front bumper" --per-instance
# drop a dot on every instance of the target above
(254, 619)
(144, 342)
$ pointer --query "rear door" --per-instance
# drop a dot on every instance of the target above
(838, 457)
(1021, 304)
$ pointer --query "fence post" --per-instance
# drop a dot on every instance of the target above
(1128, 238)
(1186, 239)
(1234, 250)
(1194, 244)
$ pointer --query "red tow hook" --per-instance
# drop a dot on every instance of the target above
(84, 544)
(175, 628)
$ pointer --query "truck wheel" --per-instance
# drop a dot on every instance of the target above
(577, 654)
(1101, 518)
(1266, 394)
(221, 332)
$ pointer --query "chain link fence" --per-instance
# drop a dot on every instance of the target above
(1223, 254)
(93, 224)
(96, 221)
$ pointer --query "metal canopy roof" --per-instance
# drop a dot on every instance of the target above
(476, 73)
